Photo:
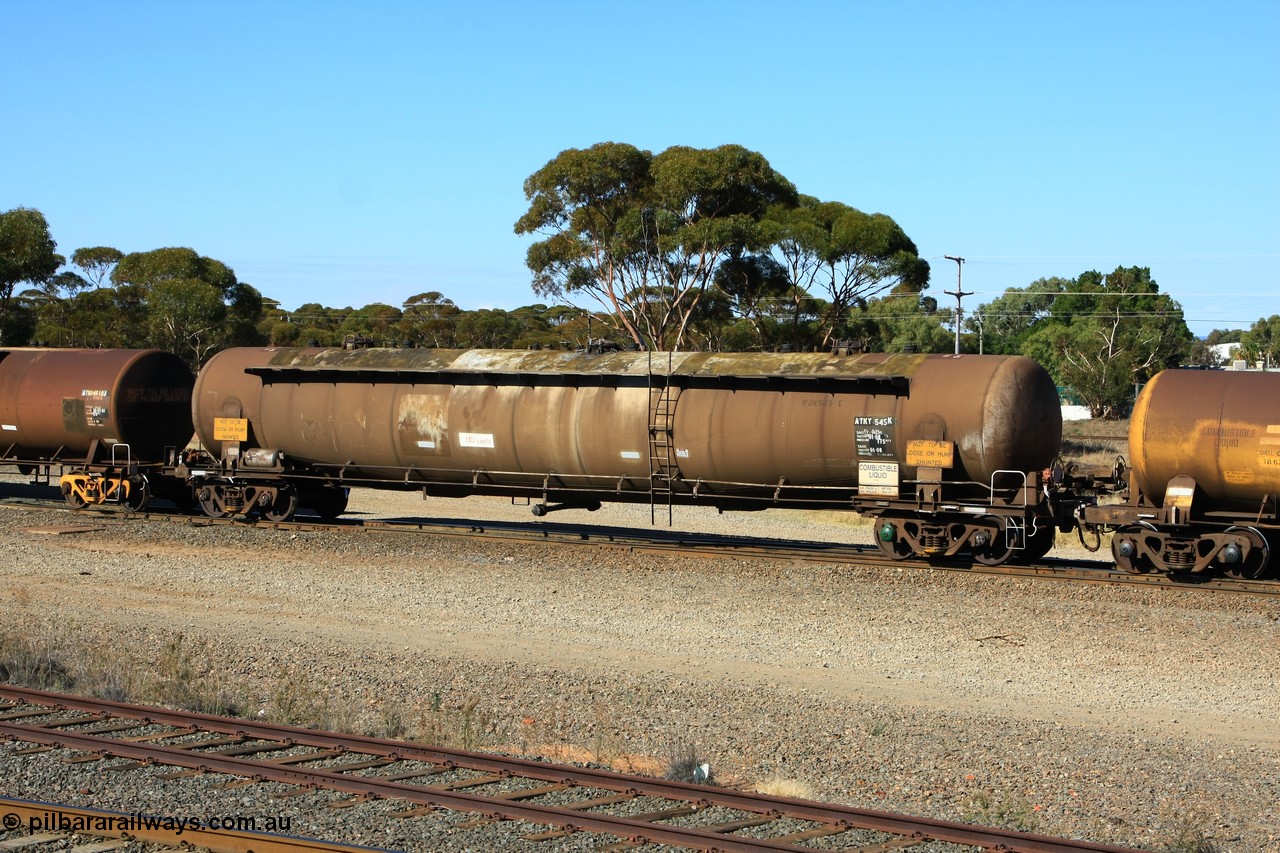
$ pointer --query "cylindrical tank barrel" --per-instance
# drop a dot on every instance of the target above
(60, 400)
(1221, 427)
(731, 418)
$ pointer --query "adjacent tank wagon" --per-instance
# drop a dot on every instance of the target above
(1204, 483)
(947, 452)
(105, 418)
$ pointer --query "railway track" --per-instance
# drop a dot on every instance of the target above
(660, 541)
(609, 810)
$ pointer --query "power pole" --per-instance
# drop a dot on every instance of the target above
(957, 293)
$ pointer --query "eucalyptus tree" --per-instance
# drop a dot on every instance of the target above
(246, 310)
(710, 325)
(104, 318)
(1105, 334)
(643, 235)
(1009, 319)
(586, 203)
(186, 317)
(754, 284)
(317, 325)
(489, 328)
(901, 322)
(97, 262)
(181, 298)
(52, 303)
(430, 320)
(844, 254)
(378, 321)
(28, 253)
(150, 268)
(1261, 342)
(708, 207)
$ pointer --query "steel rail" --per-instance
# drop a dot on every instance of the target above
(842, 817)
(141, 827)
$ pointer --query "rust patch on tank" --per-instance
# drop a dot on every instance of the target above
(423, 424)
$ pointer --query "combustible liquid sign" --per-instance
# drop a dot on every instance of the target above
(878, 478)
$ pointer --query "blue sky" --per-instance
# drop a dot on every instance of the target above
(348, 153)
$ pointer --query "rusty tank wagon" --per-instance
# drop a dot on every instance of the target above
(1203, 492)
(105, 419)
(949, 454)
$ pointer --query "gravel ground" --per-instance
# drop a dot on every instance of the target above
(1125, 716)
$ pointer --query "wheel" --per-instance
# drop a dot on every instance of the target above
(135, 495)
(328, 503)
(995, 550)
(179, 494)
(72, 497)
(182, 499)
(890, 540)
(1126, 549)
(209, 503)
(1039, 543)
(1254, 564)
(283, 507)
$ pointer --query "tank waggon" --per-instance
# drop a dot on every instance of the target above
(1204, 481)
(946, 452)
(104, 418)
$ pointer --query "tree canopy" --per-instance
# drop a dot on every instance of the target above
(662, 240)
(97, 262)
(1101, 335)
(849, 255)
(1260, 343)
(27, 254)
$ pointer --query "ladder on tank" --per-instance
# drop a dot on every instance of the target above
(663, 469)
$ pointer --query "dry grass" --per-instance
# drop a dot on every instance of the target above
(1094, 445)
(1118, 429)
(1188, 836)
(686, 764)
(1002, 808)
(794, 789)
(175, 671)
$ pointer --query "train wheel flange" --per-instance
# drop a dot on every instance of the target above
(1255, 560)
(995, 550)
(1039, 543)
(283, 507)
(890, 540)
(135, 494)
(1126, 549)
(329, 503)
(72, 496)
(209, 504)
